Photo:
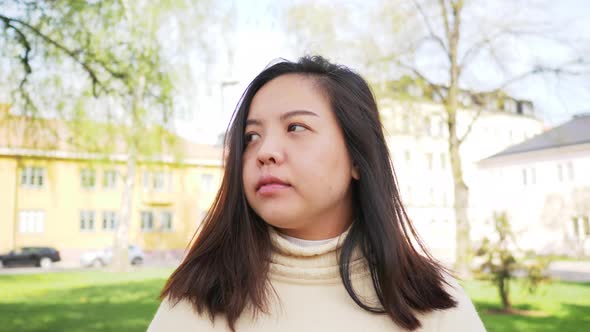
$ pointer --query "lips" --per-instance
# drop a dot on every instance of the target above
(270, 180)
(270, 184)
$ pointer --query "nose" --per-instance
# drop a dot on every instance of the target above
(270, 152)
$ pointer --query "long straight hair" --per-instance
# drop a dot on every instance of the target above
(226, 267)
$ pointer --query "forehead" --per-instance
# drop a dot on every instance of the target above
(286, 93)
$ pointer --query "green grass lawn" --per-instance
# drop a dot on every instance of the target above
(566, 306)
(80, 301)
(105, 301)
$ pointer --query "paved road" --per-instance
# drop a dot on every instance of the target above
(69, 267)
(561, 270)
(570, 270)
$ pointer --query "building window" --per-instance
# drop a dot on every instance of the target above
(581, 227)
(510, 106)
(428, 127)
(86, 221)
(465, 99)
(415, 90)
(559, 173)
(570, 171)
(109, 179)
(443, 161)
(525, 108)
(429, 161)
(32, 177)
(406, 124)
(88, 178)
(147, 221)
(109, 220)
(207, 182)
(431, 196)
(31, 221)
(529, 176)
(442, 127)
(436, 96)
(146, 180)
(576, 227)
(166, 221)
(160, 181)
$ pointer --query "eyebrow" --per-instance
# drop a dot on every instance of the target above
(283, 117)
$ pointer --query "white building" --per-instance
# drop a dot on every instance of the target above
(418, 139)
(544, 185)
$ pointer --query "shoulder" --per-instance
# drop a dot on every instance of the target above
(464, 316)
(178, 317)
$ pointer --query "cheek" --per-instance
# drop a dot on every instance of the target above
(248, 175)
(328, 169)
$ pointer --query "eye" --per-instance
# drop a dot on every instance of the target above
(251, 137)
(296, 127)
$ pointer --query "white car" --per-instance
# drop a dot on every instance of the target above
(103, 257)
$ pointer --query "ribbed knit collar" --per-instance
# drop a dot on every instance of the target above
(315, 264)
(304, 242)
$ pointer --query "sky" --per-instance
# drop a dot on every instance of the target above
(260, 39)
(207, 101)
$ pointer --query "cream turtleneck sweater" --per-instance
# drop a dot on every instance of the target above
(311, 298)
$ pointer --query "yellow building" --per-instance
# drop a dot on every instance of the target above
(53, 195)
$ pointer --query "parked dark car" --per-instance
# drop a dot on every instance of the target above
(26, 256)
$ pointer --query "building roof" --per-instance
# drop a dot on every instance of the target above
(576, 131)
(51, 135)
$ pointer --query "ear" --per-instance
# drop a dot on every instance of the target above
(355, 172)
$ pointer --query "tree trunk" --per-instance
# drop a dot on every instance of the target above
(504, 290)
(120, 250)
(460, 205)
(121, 243)
(461, 191)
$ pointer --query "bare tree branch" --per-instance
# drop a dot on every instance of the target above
(435, 87)
(432, 35)
(487, 42)
(468, 131)
(538, 70)
(445, 17)
(22, 39)
(477, 47)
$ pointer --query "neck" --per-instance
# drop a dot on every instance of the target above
(316, 231)
(311, 264)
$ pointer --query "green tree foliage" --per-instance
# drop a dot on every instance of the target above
(502, 260)
(105, 68)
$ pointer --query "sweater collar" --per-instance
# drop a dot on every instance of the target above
(313, 264)
(305, 243)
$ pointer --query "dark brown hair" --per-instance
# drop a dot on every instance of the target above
(226, 267)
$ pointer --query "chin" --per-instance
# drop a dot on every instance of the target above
(280, 220)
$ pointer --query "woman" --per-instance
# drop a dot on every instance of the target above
(308, 232)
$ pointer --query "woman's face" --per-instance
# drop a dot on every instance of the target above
(297, 172)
